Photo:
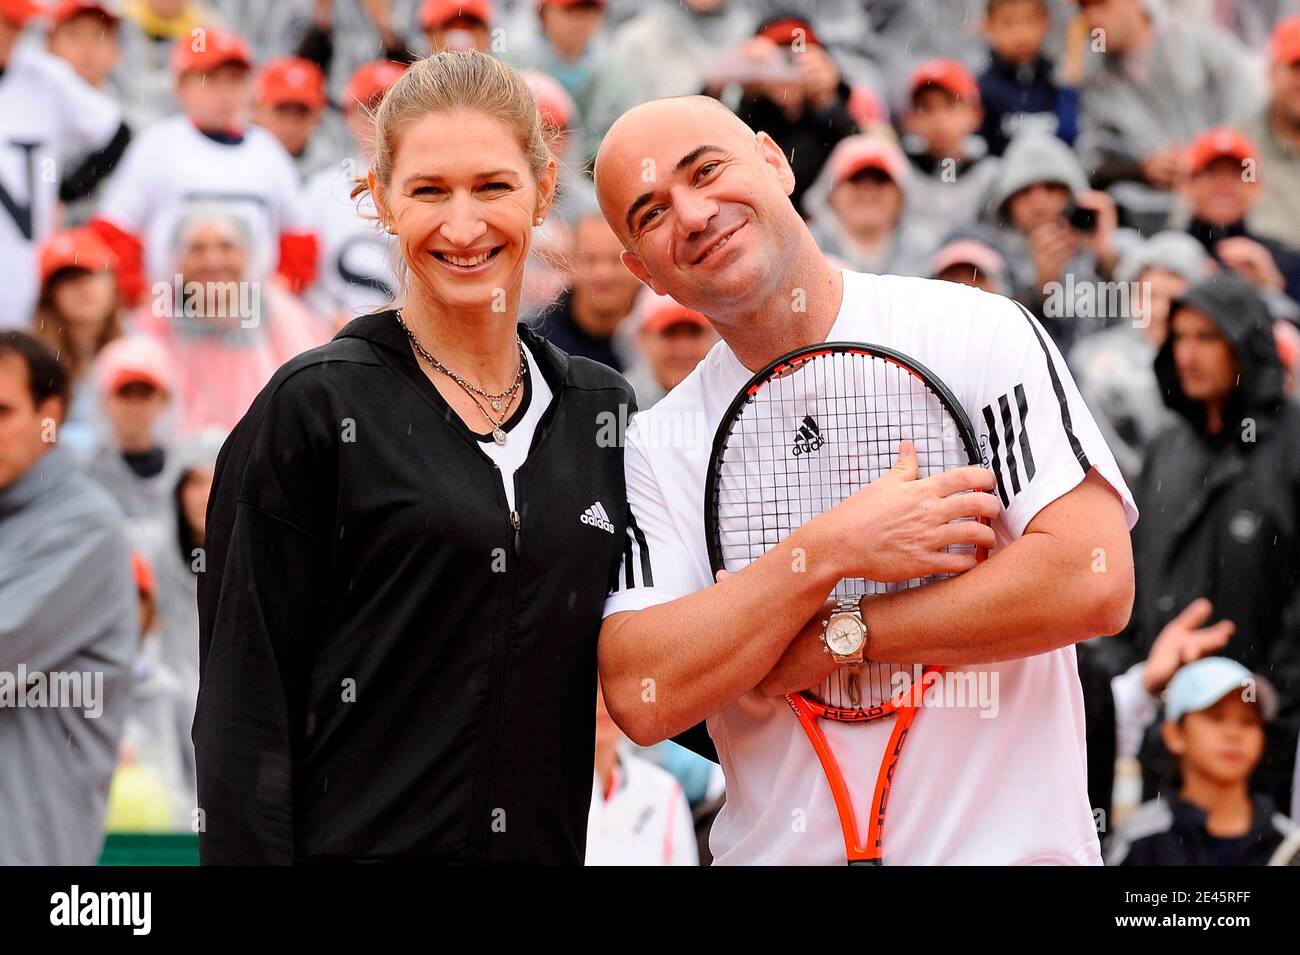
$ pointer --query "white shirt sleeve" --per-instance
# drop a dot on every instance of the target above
(682, 848)
(127, 198)
(657, 564)
(89, 117)
(1031, 425)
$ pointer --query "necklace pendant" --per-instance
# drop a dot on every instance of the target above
(498, 436)
(496, 406)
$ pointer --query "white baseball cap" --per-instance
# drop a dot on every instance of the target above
(1200, 685)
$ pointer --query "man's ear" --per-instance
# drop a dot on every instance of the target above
(1172, 734)
(634, 265)
(771, 154)
(52, 409)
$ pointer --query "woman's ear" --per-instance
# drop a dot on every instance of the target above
(381, 207)
(546, 186)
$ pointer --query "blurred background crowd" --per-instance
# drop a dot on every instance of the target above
(177, 220)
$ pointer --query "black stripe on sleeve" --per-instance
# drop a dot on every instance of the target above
(647, 575)
(1026, 455)
(1004, 407)
(1062, 402)
(993, 445)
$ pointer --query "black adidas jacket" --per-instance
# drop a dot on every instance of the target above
(389, 668)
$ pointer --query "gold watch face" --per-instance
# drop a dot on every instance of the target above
(845, 635)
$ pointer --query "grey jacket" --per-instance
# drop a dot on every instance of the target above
(67, 616)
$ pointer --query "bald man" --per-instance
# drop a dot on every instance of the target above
(701, 205)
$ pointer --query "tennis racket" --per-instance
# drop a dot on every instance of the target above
(806, 432)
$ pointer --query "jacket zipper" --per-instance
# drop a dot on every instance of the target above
(501, 639)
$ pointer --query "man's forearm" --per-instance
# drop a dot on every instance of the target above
(668, 667)
(1029, 599)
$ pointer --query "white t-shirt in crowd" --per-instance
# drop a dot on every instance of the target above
(47, 115)
(644, 820)
(975, 785)
(353, 274)
(171, 168)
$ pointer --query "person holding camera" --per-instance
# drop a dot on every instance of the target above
(1060, 237)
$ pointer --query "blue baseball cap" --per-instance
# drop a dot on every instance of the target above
(1198, 686)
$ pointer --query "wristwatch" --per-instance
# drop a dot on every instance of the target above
(844, 634)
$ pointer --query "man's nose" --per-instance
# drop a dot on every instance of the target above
(693, 211)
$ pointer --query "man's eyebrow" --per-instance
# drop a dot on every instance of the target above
(683, 163)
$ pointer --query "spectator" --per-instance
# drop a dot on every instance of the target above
(47, 113)
(1019, 89)
(1275, 131)
(177, 569)
(670, 341)
(954, 173)
(289, 103)
(669, 50)
(1114, 368)
(135, 463)
(84, 34)
(804, 105)
(208, 154)
(858, 209)
(1059, 236)
(1219, 491)
(1221, 186)
(150, 791)
(77, 314)
(639, 815)
(1158, 81)
(570, 48)
(584, 319)
(1215, 712)
(67, 610)
(456, 25)
(149, 34)
(354, 273)
(969, 258)
(224, 334)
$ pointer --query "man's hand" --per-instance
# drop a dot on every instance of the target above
(1051, 245)
(896, 528)
(1100, 241)
(821, 77)
(1252, 261)
(1161, 167)
(1182, 641)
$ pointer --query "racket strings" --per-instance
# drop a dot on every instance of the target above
(805, 440)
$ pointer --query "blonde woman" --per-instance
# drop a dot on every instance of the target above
(412, 533)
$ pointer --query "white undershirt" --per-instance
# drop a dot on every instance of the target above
(511, 455)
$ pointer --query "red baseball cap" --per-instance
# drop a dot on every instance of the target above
(291, 79)
(658, 312)
(79, 248)
(1215, 144)
(206, 48)
(134, 358)
(948, 75)
(568, 3)
(369, 81)
(968, 252)
(553, 100)
(1286, 40)
(783, 31)
(62, 12)
(852, 154)
(435, 13)
(18, 12)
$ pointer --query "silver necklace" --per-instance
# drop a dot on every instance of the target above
(507, 397)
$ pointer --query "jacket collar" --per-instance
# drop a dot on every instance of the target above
(51, 471)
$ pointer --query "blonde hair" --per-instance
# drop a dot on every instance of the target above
(449, 82)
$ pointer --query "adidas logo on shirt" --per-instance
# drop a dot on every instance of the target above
(808, 438)
(596, 517)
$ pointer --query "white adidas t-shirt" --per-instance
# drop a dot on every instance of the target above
(1002, 788)
(171, 167)
(47, 115)
(353, 274)
(643, 820)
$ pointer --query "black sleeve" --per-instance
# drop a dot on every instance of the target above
(699, 742)
(92, 170)
(260, 605)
